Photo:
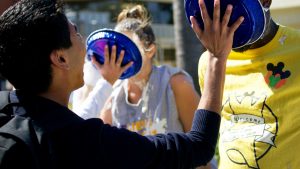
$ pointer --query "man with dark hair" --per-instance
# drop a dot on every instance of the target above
(42, 55)
(4, 4)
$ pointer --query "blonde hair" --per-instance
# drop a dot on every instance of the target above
(136, 19)
(135, 12)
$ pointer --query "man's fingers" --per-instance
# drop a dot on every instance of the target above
(205, 17)
(236, 24)
(124, 68)
(196, 27)
(226, 16)
(216, 18)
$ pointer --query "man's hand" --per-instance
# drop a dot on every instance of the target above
(217, 36)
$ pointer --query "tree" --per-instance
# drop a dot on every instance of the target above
(188, 47)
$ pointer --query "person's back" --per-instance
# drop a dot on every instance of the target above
(259, 117)
(56, 129)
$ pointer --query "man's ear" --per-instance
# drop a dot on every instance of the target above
(59, 59)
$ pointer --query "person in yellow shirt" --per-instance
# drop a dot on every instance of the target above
(260, 119)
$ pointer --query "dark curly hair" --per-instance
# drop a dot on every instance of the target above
(29, 31)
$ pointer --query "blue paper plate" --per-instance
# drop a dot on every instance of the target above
(97, 40)
(249, 31)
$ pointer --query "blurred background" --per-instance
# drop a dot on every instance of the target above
(91, 15)
(177, 44)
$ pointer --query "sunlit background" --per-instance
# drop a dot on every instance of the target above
(91, 15)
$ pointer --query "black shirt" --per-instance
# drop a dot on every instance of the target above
(68, 141)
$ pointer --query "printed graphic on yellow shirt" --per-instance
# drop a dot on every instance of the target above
(275, 77)
(148, 127)
(249, 135)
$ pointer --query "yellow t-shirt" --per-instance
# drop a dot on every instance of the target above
(260, 125)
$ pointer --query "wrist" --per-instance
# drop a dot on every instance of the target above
(215, 64)
(218, 57)
(111, 81)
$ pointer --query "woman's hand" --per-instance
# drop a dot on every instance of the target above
(111, 69)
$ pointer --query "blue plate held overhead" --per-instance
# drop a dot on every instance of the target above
(249, 31)
(97, 40)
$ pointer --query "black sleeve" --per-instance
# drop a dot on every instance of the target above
(14, 154)
(124, 149)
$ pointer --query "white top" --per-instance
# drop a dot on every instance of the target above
(156, 111)
(92, 105)
(95, 101)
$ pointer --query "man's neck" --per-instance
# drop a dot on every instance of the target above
(57, 95)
